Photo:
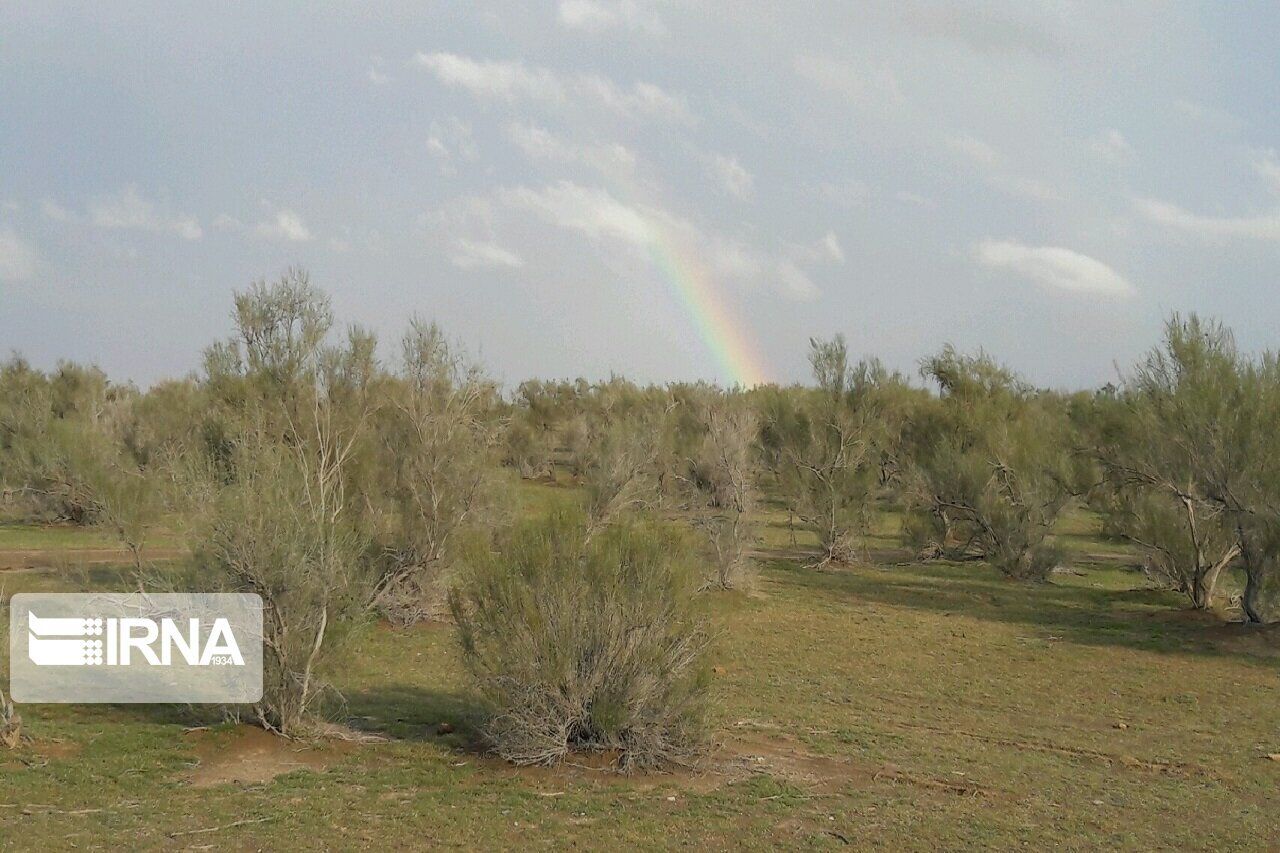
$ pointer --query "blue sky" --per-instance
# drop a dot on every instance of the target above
(1045, 180)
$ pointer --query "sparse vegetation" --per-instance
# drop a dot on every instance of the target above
(584, 642)
(573, 525)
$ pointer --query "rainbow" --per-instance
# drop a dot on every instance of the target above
(697, 292)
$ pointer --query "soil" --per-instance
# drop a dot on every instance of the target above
(248, 755)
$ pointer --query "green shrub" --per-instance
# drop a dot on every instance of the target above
(582, 642)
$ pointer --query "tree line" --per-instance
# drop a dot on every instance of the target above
(343, 487)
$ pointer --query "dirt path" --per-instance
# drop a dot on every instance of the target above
(51, 559)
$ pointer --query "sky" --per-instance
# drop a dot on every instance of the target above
(664, 190)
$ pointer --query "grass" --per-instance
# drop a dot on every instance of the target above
(897, 705)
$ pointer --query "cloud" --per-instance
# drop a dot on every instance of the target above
(508, 81)
(472, 254)
(1204, 114)
(1264, 226)
(129, 210)
(848, 194)
(994, 164)
(1110, 146)
(1028, 188)
(1267, 167)
(1258, 226)
(975, 149)
(981, 29)
(595, 16)
(795, 282)
(865, 86)
(595, 213)
(731, 176)
(589, 210)
(832, 246)
(377, 74)
(540, 144)
(55, 212)
(514, 81)
(916, 199)
(17, 257)
(451, 141)
(825, 249)
(1053, 267)
(286, 225)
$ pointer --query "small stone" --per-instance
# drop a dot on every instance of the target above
(1122, 725)
(444, 729)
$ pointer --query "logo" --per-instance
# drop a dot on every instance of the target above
(48, 643)
(98, 647)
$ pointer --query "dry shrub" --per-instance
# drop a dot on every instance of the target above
(10, 724)
(618, 466)
(283, 530)
(717, 485)
(582, 642)
(434, 473)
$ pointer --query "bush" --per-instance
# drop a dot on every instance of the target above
(10, 724)
(282, 531)
(827, 448)
(582, 642)
(715, 477)
(433, 470)
(989, 470)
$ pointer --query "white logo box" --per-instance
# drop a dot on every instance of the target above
(135, 647)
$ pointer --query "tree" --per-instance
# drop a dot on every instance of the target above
(989, 468)
(286, 514)
(716, 477)
(824, 447)
(435, 435)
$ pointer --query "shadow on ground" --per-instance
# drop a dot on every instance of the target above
(1147, 619)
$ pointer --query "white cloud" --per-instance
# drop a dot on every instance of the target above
(1110, 146)
(1268, 168)
(285, 225)
(1264, 226)
(825, 249)
(376, 74)
(594, 212)
(595, 16)
(17, 257)
(975, 149)
(591, 211)
(1053, 267)
(916, 199)
(129, 210)
(866, 86)
(997, 172)
(833, 248)
(732, 177)
(514, 81)
(985, 28)
(55, 212)
(504, 80)
(451, 141)
(795, 282)
(848, 194)
(1028, 188)
(1204, 114)
(471, 254)
(540, 144)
